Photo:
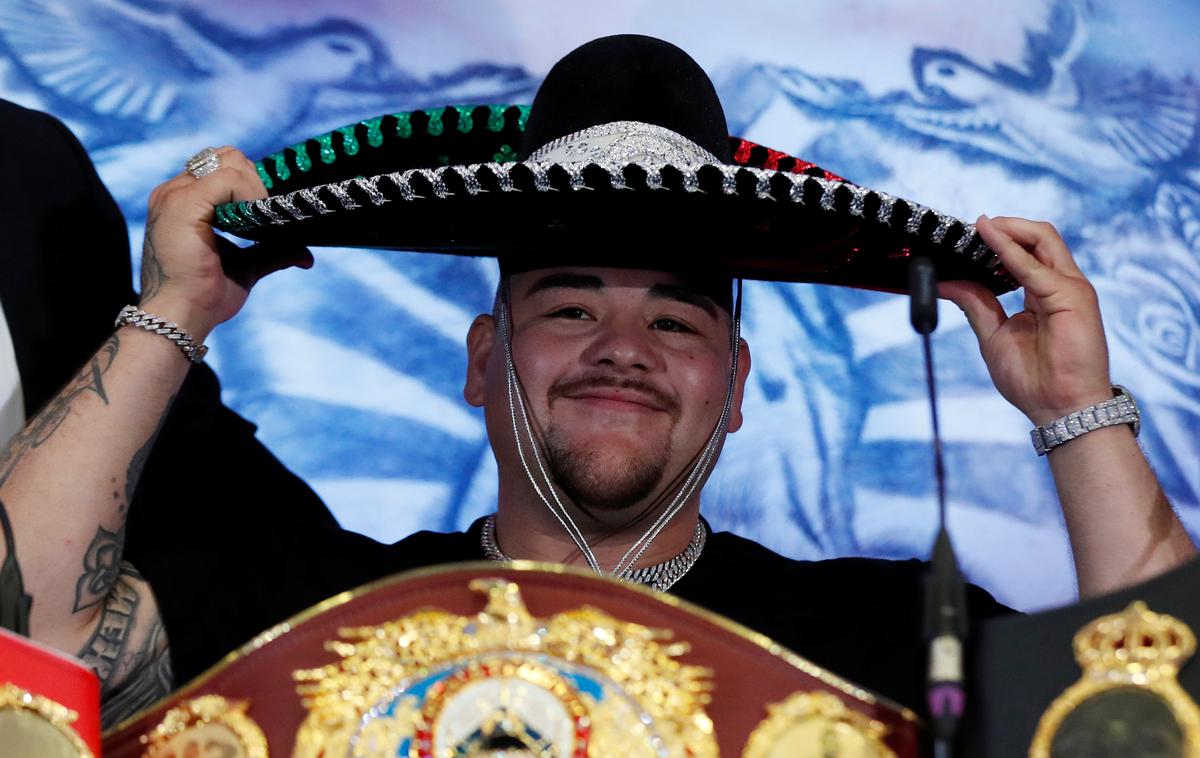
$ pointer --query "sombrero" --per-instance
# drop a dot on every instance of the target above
(624, 154)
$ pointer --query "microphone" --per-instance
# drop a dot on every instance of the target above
(945, 591)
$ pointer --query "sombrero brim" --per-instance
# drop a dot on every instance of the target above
(767, 216)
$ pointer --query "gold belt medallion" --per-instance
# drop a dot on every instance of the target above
(203, 726)
(1128, 701)
(578, 684)
(33, 725)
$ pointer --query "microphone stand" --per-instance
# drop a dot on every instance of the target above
(945, 591)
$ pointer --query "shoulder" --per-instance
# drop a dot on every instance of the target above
(736, 565)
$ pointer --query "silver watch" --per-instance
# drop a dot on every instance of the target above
(1122, 409)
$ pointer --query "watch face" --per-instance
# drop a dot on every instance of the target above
(1123, 722)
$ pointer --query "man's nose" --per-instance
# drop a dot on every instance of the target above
(624, 346)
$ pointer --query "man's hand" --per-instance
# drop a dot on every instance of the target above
(1051, 358)
(189, 274)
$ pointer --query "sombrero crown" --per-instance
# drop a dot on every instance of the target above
(624, 153)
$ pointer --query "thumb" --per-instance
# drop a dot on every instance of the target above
(984, 312)
(247, 265)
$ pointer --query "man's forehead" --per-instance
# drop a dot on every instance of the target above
(705, 289)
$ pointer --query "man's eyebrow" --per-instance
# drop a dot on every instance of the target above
(684, 295)
(566, 280)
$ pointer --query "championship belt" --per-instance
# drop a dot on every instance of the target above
(49, 702)
(520, 659)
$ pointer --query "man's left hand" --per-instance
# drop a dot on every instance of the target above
(1051, 358)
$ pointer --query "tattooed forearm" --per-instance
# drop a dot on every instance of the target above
(150, 679)
(51, 417)
(131, 657)
(105, 649)
(101, 566)
(153, 275)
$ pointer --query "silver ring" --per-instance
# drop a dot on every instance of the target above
(203, 163)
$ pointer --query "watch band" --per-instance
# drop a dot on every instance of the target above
(1122, 409)
(131, 315)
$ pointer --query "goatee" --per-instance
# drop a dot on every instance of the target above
(601, 479)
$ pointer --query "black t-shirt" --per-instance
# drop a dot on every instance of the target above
(859, 618)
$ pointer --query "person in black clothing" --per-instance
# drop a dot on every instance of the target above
(608, 387)
(66, 275)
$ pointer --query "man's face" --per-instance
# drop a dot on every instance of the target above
(625, 372)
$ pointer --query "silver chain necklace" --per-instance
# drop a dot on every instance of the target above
(660, 576)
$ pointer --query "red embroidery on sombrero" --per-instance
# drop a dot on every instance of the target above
(775, 160)
(741, 153)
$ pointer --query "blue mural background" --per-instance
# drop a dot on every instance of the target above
(1081, 113)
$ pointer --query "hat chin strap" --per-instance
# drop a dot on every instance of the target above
(516, 406)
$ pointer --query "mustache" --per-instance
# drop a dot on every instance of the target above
(565, 387)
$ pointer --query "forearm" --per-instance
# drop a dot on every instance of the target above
(67, 478)
(1122, 528)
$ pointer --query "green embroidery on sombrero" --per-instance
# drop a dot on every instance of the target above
(374, 131)
(465, 122)
(444, 160)
(247, 209)
(403, 125)
(326, 143)
(435, 127)
(221, 218)
(505, 155)
(267, 181)
(496, 117)
(349, 141)
(281, 167)
(524, 110)
(303, 162)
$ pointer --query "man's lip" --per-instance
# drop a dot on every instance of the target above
(617, 398)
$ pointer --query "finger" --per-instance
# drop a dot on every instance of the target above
(233, 159)
(1035, 276)
(226, 184)
(983, 310)
(1041, 239)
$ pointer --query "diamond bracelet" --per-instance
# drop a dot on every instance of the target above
(1122, 409)
(131, 315)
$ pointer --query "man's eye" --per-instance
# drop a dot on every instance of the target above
(570, 313)
(671, 325)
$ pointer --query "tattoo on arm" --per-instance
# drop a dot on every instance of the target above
(101, 568)
(51, 417)
(150, 679)
(153, 275)
(102, 562)
(133, 664)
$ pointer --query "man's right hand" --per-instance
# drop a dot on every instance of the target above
(190, 275)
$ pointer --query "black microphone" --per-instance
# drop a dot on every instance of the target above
(945, 591)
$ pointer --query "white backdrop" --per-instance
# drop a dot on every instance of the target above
(1084, 114)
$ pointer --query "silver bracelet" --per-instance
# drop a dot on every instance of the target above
(1122, 409)
(131, 315)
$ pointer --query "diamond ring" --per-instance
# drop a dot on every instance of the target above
(203, 163)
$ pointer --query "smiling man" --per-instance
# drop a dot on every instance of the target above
(609, 381)
(632, 379)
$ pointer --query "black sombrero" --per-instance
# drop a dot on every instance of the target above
(623, 154)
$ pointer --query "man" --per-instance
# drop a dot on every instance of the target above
(66, 272)
(608, 385)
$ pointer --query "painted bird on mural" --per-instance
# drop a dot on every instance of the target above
(1115, 133)
(147, 86)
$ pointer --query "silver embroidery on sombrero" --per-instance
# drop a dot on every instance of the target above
(624, 142)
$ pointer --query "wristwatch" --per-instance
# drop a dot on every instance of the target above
(1122, 409)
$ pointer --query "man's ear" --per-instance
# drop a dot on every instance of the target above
(480, 340)
(739, 387)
